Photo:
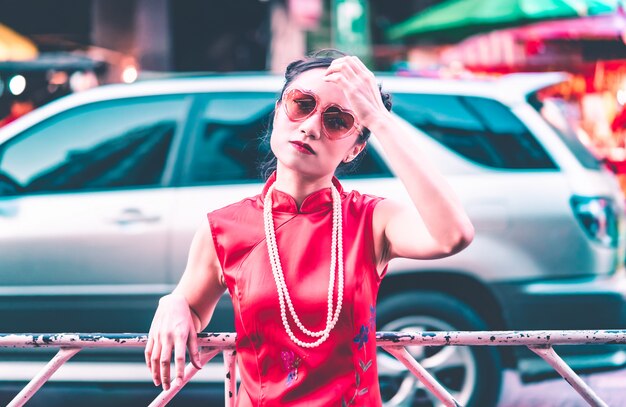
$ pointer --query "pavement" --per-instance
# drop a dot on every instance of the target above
(609, 386)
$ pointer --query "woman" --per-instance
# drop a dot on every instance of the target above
(303, 260)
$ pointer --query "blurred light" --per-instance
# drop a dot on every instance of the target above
(17, 84)
(621, 96)
(129, 75)
(307, 14)
(80, 81)
(57, 78)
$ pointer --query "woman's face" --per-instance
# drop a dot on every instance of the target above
(302, 145)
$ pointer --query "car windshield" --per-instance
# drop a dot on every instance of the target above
(562, 116)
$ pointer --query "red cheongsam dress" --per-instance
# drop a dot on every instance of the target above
(274, 370)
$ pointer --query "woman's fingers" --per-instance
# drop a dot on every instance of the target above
(148, 350)
(353, 68)
(155, 366)
(180, 347)
(192, 345)
(360, 66)
(164, 364)
(172, 330)
(360, 87)
(343, 67)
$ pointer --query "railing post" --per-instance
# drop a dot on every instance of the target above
(230, 383)
(62, 356)
(548, 354)
(422, 374)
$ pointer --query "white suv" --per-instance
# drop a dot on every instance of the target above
(100, 193)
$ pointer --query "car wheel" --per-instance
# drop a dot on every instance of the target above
(473, 375)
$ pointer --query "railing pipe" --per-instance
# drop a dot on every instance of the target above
(425, 338)
(210, 344)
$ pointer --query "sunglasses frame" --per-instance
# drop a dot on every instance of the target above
(355, 126)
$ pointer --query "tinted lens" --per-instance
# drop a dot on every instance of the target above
(337, 123)
(299, 104)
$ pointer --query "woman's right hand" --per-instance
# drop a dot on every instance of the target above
(186, 311)
(172, 329)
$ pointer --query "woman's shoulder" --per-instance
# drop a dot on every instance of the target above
(249, 203)
(361, 199)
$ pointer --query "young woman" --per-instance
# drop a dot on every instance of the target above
(303, 260)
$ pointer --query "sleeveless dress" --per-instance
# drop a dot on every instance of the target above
(275, 371)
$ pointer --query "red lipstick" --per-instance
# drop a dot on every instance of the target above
(302, 147)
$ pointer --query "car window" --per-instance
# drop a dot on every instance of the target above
(228, 143)
(100, 146)
(480, 129)
(561, 116)
(231, 144)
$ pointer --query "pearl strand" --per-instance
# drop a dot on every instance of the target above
(278, 275)
(330, 320)
(283, 293)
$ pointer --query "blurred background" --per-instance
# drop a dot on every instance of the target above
(50, 49)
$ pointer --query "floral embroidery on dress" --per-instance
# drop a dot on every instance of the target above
(361, 338)
(372, 318)
(291, 361)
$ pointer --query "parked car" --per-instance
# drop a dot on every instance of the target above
(101, 191)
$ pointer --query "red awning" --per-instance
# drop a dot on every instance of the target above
(602, 27)
(557, 44)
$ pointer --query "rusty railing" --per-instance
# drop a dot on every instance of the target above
(540, 342)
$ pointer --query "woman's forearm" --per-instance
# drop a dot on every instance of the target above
(432, 196)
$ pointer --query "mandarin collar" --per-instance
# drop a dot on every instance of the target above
(314, 202)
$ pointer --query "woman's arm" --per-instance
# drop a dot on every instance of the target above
(436, 225)
(186, 311)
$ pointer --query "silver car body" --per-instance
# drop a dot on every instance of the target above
(117, 245)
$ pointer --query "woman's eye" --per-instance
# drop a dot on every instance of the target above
(335, 122)
(305, 105)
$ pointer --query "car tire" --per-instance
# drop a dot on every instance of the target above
(473, 375)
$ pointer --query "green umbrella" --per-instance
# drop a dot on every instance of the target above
(456, 19)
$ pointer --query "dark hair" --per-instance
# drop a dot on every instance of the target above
(320, 59)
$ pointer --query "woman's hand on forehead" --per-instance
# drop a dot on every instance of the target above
(359, 86)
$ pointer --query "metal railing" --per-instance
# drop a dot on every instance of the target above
(540, 342)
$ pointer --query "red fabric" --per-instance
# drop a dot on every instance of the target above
(274, 370)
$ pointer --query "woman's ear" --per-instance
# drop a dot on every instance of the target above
(354, 152)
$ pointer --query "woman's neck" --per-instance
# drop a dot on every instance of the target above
(299, 186)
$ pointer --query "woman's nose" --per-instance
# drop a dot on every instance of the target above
(312, 126)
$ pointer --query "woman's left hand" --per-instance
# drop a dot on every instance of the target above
(359, 85)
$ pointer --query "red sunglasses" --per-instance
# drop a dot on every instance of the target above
(337, 122)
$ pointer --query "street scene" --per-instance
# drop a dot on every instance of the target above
(313, 202)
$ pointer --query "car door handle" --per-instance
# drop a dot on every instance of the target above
(134, 215)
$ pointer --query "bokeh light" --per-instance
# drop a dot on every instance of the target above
(17, 85)
(129, 75)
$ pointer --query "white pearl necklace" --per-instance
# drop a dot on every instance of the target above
(336, 260)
